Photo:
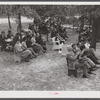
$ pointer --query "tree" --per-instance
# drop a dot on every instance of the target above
(7, 10)
(91, 14)
(71, 12)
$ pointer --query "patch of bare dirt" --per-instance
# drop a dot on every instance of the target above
(48, 72)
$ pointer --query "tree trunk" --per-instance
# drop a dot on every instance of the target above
(94, 33)
(9, 21)
(82, 24)
(73, 23)
(90, 22)
(98, 35)
(19, 28)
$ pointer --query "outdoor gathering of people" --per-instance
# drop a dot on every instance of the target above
(81, 55)
(30, 44)
(27, 47)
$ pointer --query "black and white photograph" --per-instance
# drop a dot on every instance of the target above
(49, 47)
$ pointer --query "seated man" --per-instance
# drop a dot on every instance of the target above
(10, 35)
(24, 47)
(40, 41)
(36, 47)
(74, 64)
(83, 56)
(24, 54)
(75, 48)
(3, 43)
(15, 39)
(90, 53)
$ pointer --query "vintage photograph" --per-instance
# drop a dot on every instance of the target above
(49, 47)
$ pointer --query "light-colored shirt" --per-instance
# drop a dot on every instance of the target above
(24, 46)
(33, 40)
(18, 48)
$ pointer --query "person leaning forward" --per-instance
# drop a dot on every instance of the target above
(74, 64)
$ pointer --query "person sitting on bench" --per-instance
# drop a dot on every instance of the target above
(25, 55)
(74, 64)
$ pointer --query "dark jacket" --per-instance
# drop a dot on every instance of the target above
(2, 40)
(29, 43)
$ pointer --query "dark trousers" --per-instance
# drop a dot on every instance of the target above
(3, 46)
(72, 72)
(93, 58)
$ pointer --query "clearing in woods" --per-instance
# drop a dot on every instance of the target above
(48, 72)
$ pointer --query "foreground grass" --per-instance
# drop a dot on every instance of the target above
(46, 72)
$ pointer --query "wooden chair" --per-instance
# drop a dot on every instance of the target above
(71, 69)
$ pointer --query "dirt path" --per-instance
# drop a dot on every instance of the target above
(47, 72)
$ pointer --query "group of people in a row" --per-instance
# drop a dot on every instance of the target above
(4, 37)
(27, 44)
(51, 25)
(31, 46)
(80, 55)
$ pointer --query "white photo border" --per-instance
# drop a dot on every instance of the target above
(49, 94)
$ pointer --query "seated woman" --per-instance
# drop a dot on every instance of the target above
(24, 47)
(74, 64)
(24, 54)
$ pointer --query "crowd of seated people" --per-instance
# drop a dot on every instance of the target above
(84, 36)
(57, 28)
(27, 44)
(82, 56)
(6, 40)
(32, 40)
(52, 25)
(24, 54)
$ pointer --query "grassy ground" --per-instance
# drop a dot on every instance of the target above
(46, 72)
(4, 27)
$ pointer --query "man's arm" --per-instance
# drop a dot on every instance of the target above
(70, 57)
